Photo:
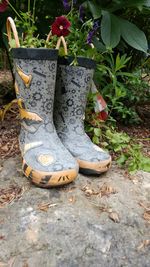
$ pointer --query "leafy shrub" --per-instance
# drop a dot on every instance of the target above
(128, 153)
(122, 90)
(114, 27)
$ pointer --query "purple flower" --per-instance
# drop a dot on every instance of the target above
(92, 32)
(96, 25)
(66, 5)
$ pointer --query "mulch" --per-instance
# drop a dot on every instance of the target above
(9, 130)
(140, 134)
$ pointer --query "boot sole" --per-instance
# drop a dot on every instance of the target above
(49, 179)
(94, 168)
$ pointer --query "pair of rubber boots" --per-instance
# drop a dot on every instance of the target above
(53, 153)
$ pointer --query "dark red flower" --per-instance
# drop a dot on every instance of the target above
(60, 27)
(103, 115)
(3, 5)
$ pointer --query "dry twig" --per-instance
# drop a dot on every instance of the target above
(46, 206)
(7, 195)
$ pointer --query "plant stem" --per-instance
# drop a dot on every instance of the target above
(15, 11)
(71, 5)
(28, 6)
(33, 15)
(71, 9)
(29, 11)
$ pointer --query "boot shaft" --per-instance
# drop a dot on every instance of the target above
(35, 75)
(72, 87)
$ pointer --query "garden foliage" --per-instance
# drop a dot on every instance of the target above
(116, 34)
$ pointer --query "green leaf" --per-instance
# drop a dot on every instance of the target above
(125, 74)
(97, 132)
(99, 46)
(95, 9)
(133, 35)
(95, 140)
(121, 62)
(110, 30)
(122, 159)
(132, 167)
(12, 43)
(147, 3)
(145, 164)
(120, 4)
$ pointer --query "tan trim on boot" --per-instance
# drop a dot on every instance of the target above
(29, 115)
(26, 78)
(97, 167)
(16, 88)
(49, 179)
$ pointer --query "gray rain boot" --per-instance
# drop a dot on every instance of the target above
(72, 87)
(45, 160)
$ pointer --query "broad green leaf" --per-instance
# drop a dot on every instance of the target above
(97, 132)
(133, 35)
(99, 46)
(95, 139)
(128, 3)
(110, 30)
(122, 159)
(12, 43)
(136, 3)
(95, 9)
(145, 164)
(147, 3)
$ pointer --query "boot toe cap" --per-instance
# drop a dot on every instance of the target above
(94, 167)
(49, 179)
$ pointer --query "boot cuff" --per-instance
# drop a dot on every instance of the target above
(35, 53)
(82, 62)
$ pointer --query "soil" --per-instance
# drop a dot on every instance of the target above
(140, 134)
(6, 87)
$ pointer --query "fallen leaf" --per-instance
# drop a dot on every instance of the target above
(5, 148)
(46, 206)
(114, 217)
(145, 206)
(104, 190)
(144, 244)
(88, 191)
(102, 207)
(146, 216)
